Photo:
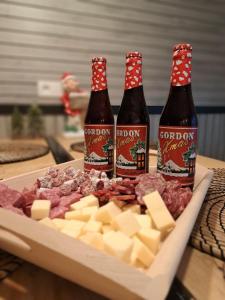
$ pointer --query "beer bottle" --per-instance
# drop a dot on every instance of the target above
(132, 129)
(99, 123)
(177, 137)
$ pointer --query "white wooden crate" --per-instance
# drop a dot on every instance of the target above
(91, 268)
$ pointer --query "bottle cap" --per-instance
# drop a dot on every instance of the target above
(99, 58)
(134, 54)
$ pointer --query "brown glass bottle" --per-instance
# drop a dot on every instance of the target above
(132, 129)
(178, 123)
(99, 123)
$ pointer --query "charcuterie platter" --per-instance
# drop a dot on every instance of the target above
(79, 262)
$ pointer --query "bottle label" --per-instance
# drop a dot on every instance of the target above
(131, 151)
(177, 153)
(98, 147)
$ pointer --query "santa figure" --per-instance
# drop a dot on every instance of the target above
(72, 99)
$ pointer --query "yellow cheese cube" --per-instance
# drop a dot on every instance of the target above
(59, 223)
(71, 232)
(106, 228)
(90, 200)
(106, 213)
(118, 244)
(92, 226)
(133, 208)
(127, 223)
(48, 222)
(83, 214)
(151, 238)
(40, 209)
(159, 213)
(143, 220)
(74, 225)
(141, 253)
(93, 239)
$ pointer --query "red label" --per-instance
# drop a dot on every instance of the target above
(131, 156)
(177, 153)
(98, 147)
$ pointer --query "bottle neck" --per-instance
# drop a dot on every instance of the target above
(181, 68)
(133, 75)
(99, 81)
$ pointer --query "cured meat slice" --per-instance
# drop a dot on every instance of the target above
(149, 183)
(29, 195)
(69, 199)
(10, 197)
(58, 212)
(52, 195)
(176, 198)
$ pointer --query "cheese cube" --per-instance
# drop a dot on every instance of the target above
(40, 209)
(127, 223)
(106, 213)
(90, 200)
(59, 223)
(93, 239)
(106, 228)
(133, 208)
(159, 213)
(143, 220)
(151, 238)
(74, 225)
(92, 226)
(118, 244)
(74, 233)
(141, 253)
(83, 214)
(48, 222)
(119, 203)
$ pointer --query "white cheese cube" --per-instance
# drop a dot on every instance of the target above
(118, 244)
(48, 222)
(107, 228)
(151, 238)
(93, 239)
(159, 213)
(40, 209)
(127, 223)
(92, 226)
(143, 220)
(90, 200)
(83, 214)
(133, 208)
(106, 213)
(141, 253)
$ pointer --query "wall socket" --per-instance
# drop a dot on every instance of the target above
(47, 88)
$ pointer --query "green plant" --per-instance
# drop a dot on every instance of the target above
(17, 125)
(35, 121)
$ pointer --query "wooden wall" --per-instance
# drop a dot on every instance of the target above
(41, 39)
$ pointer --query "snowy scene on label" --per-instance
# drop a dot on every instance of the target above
(99, 147)
(131, 150)
(177, 153)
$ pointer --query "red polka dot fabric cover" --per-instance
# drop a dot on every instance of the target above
(133, 76)
(181, 66)
(99, 81)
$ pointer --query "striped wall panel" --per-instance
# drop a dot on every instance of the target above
(41, 39)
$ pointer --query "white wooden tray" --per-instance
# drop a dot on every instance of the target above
(88, 267)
